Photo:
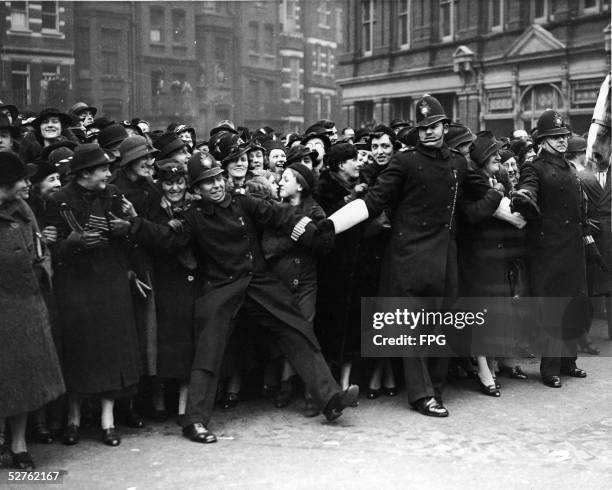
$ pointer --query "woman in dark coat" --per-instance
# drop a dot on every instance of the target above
(339, 292)
(31, 374)
(177, 280)
(93, 291)
(295, 267)
(51, 126)
(488, 248)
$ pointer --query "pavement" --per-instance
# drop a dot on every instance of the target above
(531, 437)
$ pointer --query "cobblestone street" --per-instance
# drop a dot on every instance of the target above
(531, 437)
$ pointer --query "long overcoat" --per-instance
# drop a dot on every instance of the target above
(599, 208)
(92, 290)
(225, 239)
(30, 371)
(555, 239)
(423, 188)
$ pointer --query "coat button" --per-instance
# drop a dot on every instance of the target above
(567, 222)
(565, 205)
(425, 206)
(445, 225)
(297, 261)
(295, 282)
(419, 168)
(424, 186)
(424, 223)
(500, 245)
(452, 187)
(14, 225)
(190, 278)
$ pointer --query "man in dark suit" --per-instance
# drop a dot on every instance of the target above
(597, 187)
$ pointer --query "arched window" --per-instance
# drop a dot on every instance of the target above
(535, 99)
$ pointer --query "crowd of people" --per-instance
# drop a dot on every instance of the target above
(159, 272)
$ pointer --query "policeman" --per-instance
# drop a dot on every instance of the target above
(422, 186)
(549, 195)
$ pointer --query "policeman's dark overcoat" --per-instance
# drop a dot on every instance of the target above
(599, 208)
(555, 246)
(99, 340)
(224, 236)
(422, 187)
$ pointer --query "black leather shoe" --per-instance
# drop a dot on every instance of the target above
(373, 394)
(23, 461)
(310, 408)
(230, 400)
(574, 372)
(198, 433)
(134, 420)
(346, 398)
(70, 437)
(513, 372)
(490, 390)
(497, 383)
(389, 391)
(431, 407)
(552, 381)
(42, 435)
(110, 437)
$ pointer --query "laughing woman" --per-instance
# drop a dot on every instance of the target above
(51, 126)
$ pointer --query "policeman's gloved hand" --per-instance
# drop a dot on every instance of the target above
(325, 239)
(592, 253)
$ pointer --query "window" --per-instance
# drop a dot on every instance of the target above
(156, 32)
(20, 84)
(327, 107)
(339, 27)
(83, 46)
(587, 6)
(290, 16)
(254, 37)
(111, 39)
(448, 19)
(540, 10)
(268, 95)
(364, 113)
(496, 15)
(268, 40)
(318, 106)
(330, 61)
(49, 16)
(367, 26)
(405, 6)
(400, 108)
(254, 95)
(208, 6)
(19, 16)
(323, 14)
(294, 78)
(178, 26)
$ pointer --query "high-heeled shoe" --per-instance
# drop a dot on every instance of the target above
(42, 434)
(389, 391)
(110, 437)
(373, 394)
(70, 437)
(490, 390)
(497, 383)
(23, 461)
(230, 400)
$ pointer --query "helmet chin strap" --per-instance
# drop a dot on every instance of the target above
(546, 145)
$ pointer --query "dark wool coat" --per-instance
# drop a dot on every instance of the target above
(100, 345)
(30, 371)
(599, 208)
(423, 188)
(145, 196)
(555, 239)
(32, 144)
(341, 280)
(224, 237)
(176, 285)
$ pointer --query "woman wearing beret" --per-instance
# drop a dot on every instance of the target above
(489, 250)
(31, 374)
(92, 285)
(295, 267)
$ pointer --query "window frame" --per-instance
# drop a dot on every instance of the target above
(406, 22)
(543, 19)
(452, 15)
(502, 20)
(590, 10)
(294, 79)
(176, 13)
(253, 42)
(162, 12)
(324, 14)
(27, 73)
(52, 30)
(26, 13)
(369, 25)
